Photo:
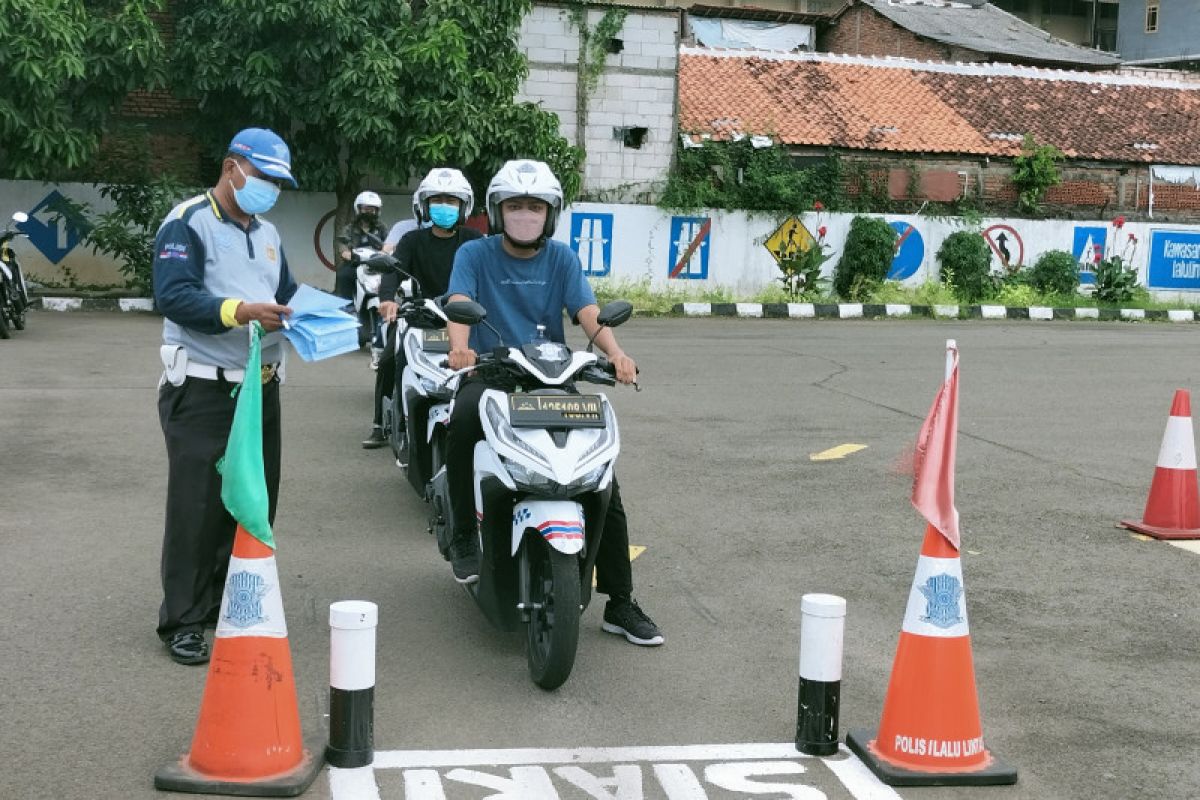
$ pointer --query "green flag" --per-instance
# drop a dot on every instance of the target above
(244, 479)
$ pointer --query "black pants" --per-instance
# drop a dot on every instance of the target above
(347, 275)
(198, 537)
(614, 574)
(387, 375)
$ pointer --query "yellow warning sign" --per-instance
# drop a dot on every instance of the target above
(788, 240)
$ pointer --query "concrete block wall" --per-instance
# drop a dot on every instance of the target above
(637, 89)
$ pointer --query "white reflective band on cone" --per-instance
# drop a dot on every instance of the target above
(822, 623)
(352, 644)
(937, 604)
(252, 604)
(1178, 449)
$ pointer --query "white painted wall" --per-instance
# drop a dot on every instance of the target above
(641, 245)
(304, 219)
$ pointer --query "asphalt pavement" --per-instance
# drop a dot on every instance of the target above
(1086, 639)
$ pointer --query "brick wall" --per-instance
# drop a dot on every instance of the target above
(864, 31)
(1086, 192)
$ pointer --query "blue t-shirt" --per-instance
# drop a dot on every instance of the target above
(520, 293)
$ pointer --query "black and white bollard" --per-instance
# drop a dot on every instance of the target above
(352, 683)
(822, 621)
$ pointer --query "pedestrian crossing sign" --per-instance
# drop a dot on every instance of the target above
(789, 240)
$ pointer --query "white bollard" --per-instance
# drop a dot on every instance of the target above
(352, 683)
(822, 622)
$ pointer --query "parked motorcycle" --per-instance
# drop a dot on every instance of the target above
(14, 294)
(368, 274)
(543, 479)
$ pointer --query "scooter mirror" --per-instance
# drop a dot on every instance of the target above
(615, 313)
(465, 312)
(20, 217)
(380, 262)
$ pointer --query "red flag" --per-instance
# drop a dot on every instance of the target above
(933, 462)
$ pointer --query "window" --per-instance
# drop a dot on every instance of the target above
(1152, 16)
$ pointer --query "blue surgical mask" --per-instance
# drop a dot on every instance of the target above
(257, 196)
(443, 215)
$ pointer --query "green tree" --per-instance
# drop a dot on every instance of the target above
(67, 64)
(1034, 172)
(385, 87)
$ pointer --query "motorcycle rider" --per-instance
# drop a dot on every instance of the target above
(525, 279)
(444, 199)
(358, 233)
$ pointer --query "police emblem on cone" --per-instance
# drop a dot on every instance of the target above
(247, 740)
(930, 733)
(1173, 507)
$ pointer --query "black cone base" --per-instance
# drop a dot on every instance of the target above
(995, 774)
(179, 777)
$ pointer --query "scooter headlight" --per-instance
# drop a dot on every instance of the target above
(507, 435)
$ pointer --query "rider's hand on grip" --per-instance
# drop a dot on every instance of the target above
(461, 359)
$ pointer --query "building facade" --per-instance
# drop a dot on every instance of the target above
(1160, 33)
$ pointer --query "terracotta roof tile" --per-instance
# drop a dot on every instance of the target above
(921, 107)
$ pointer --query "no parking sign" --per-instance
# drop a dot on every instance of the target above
(909, 251)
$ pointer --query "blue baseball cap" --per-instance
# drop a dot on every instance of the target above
(265, 150)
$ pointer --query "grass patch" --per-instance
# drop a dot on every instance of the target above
(650, 301)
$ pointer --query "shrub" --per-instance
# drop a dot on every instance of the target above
(1055, 272)
(965, 263)
(866, 258)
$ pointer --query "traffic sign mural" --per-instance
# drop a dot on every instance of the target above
(1088, 248)
(909, 251)
(691, 241)
(48, 229)
(591, 239)
(1006, 244)
(789, 240)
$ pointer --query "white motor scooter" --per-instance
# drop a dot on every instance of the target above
(543, 478)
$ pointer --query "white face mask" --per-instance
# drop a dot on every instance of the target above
(524, 227)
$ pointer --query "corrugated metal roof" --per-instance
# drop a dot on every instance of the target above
(987, 29)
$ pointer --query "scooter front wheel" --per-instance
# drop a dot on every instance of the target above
(552, 634)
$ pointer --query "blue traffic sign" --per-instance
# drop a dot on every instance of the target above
(909, 252)
(591, 239)
(48, 229)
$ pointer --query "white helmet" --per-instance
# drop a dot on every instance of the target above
(524, 178)
(443, 180)
(367, 199)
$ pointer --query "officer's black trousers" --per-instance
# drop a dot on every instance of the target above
(198, 538)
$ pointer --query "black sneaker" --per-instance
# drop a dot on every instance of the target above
(464, 559)
(187, 647)
(626, 618)
(376, 440)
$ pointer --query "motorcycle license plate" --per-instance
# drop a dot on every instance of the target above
(435, 341)
(555, 411)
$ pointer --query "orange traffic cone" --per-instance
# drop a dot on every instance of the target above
(247, 739)
(1173, 508)
(930, 733)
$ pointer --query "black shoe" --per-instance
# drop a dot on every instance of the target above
(624, 617)
(464, 559)
(376, 440)
(188, 647)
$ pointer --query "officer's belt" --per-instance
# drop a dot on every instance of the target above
(211, 373)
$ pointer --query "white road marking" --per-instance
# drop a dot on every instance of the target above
(529, 773)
